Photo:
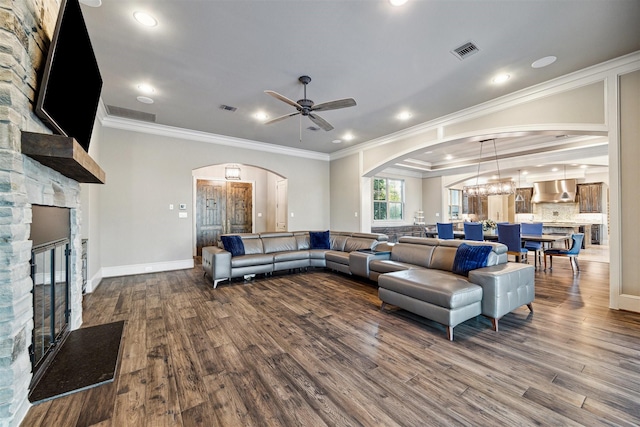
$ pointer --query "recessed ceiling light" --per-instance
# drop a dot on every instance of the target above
(347, 137)
(397, 2)
(145, 88)
(525, 173)
(337, 141)
(145, 19)
(554, 169)
(405, 115)
(584, 166)
(448, 157)
(261, 115)
(501, 78)
(145, 99)
(543, 62)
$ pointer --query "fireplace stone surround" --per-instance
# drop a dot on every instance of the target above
(25, 29)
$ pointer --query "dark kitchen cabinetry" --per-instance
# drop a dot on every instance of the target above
(596, 234)
(475, 205)
(590, 197)
(524, 206)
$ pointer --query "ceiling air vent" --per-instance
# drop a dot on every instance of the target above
(465, 50)
(228, 108)
(313, 128)
(126, 113)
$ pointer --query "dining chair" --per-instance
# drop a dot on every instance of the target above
(498, 223)
(534, 229)
(510, 235)
(473, 231)
(445, 230)
(572, 253)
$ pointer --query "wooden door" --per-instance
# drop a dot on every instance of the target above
(239, 207)
(222, 207)
(211, 199)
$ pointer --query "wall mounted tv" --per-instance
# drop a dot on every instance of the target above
(70, 87)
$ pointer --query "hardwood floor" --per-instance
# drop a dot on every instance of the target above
(313, 349)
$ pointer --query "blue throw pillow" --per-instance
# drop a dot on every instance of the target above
(470, 257)
(233, 244)
(319, 240)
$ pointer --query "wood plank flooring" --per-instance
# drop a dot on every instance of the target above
(313, 349)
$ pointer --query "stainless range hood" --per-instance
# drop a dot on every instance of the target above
(552, 191)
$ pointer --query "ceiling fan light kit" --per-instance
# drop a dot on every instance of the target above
(307, 107)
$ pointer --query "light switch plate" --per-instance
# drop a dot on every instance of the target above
(182, 214)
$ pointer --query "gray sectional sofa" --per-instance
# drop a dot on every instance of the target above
(416, 274)
(276, 251)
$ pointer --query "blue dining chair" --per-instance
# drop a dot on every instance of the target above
(445, 230)
(572, 253)
(473, 231)
(498, 223)
(509, 235)
(534, 229)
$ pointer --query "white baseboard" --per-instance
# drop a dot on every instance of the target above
(629, 303)
(129, 270)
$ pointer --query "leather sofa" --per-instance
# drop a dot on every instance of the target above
(265, 253)
(441, 295)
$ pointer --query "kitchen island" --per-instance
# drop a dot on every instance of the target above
(559, 227)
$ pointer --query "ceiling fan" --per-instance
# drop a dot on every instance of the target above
(306, 107)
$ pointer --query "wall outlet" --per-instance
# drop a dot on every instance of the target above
(259, 214)
(437, 214)
(182, 214)
(291, 214)
(356, 214)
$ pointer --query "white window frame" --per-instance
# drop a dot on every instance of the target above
(386, 200)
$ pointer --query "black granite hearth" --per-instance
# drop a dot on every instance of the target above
(88, 357)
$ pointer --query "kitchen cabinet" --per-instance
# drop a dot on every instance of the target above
(476, 205)
(525, 206)
(501, 208)
(596, 231)
(590, 197)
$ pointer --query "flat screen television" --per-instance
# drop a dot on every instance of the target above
(70, 87)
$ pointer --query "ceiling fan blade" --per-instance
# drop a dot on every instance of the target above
(283, 98)
(320, 122)
(334, 105)
(277, 119)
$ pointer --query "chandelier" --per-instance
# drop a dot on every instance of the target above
(496, 188)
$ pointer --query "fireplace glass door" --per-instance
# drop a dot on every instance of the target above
(50, 274)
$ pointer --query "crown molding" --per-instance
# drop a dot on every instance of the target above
(210, 138)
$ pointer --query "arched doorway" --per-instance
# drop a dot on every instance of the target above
(247, 203)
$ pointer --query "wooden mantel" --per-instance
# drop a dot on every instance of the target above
(62, 154)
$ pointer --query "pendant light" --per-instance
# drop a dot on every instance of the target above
(519, 197)
(491, 188)
(565, 195)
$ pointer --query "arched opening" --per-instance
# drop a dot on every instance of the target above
(446, 165)
(236, 198)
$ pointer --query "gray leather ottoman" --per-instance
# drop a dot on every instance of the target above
(435, 294)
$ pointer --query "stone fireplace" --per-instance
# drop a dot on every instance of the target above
(25, 25)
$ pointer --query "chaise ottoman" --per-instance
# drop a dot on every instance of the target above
(438, 295)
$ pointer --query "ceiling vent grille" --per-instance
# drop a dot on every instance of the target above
(126, 113)
(465, 50)
(313, 128)
(228, 108)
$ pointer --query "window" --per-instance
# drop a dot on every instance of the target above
(455, 204)
(388, 199)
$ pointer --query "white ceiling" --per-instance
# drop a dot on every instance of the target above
(208, 53)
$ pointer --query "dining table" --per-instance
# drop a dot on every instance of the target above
(547, 240)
